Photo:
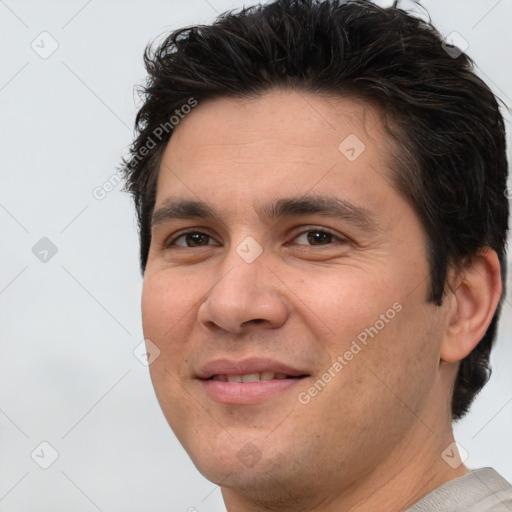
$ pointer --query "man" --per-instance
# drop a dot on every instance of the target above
(320, 188)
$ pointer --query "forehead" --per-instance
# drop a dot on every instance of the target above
(279, 115)
(281, 140)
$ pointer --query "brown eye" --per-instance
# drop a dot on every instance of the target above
(193, 239)
(316, 237)
(319, 237)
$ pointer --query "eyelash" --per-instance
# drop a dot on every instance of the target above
(171, 242)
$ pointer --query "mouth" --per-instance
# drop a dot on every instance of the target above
(248, 382)
(254, 377)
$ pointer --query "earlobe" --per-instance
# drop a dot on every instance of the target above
(474, 297)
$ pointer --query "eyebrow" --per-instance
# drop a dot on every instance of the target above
(330, 206)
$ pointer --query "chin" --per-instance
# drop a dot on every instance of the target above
(269, 485)
(237, 463)
(228, 472)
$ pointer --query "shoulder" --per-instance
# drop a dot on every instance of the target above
(481, 490)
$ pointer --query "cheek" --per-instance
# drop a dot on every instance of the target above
(387, 336)
(344, 301)
(167, 319)
(402, 360)
(166, 302)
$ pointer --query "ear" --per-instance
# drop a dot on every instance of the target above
(475, 294)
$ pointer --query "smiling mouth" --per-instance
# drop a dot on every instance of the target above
(250, 381)
(254, 377)
(249, 388)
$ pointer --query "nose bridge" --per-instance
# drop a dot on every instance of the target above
(245, 291)
(244, 266)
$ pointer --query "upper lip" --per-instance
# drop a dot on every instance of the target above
(246, 366)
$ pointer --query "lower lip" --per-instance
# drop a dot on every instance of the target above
(244, 393)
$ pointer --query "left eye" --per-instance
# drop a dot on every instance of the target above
(317, 237)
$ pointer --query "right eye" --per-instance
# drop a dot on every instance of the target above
(190, 239)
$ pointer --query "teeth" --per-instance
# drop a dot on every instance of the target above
(250, 377)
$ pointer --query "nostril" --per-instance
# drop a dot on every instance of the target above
(256, 321)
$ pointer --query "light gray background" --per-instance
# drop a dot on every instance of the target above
(68, 375)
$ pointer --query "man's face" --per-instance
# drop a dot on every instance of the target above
(285, 297)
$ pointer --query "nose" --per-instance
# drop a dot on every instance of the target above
(246, 294)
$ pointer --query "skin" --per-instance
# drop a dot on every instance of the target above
(372, 439)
